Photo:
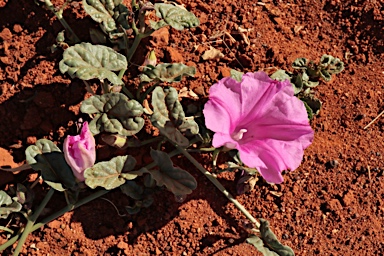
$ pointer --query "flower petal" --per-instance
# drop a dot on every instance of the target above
(222, 139)
(80, 151)
(222, 111)
(260, 95)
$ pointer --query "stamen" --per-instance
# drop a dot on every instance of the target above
(239, 135)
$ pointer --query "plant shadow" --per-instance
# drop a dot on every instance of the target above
(100, 218)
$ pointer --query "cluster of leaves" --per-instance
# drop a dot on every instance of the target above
(307, 75)
(118, 116)
(22, 196)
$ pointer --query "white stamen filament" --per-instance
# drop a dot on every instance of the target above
(239, 135)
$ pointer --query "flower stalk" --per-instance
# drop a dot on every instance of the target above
(217, 184)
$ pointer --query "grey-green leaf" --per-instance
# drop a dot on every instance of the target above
(110, 13)
(331, 64)
(169, 117)
(300, 63)
(111, 174)
(281, 75)
(312, 102)
(87, 61)
(271, 240)
(325, 75)
(114, 113)
(296, 81)
(259, 244)
(178, 181)
(8, 205)
(132, 189)
(309, 111)
(167, 72)
(46, 157)
(175, 16)
(237, 75)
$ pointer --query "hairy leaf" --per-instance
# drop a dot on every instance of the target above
(300, 63)
(296, 80)
(237, 75)
(325, 75)
(175, 16)
(271, 240)
(146, 202)
(312, 102)
(309, 111)
(178, 181)
(111, 13)
(87, 61)
(139, 194)
(8, 205)
(111, 174)
(259, 244)
(46, 157)
(132, 189)
(169, 117)
(166, 72)
(114, 113)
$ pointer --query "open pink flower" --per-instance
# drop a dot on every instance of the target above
(80, 151)
(262, 119)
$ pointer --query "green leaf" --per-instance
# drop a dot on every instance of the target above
(330, 65)
(139, 194)
(87, 61)
(296, 81)
(175, 16)
(312, 102)
(132, 189)
(166, 72)
(178, 181)
(271, 240)
(111, 174)
(326, 60)
(309, 111)
(114, 113)
(169, 117)
(46, 157)
(138, 205)
(111, 13)
(237, 75)
(281, 75)
(300, 63)
(259, 244)
(8, 205)
(325, 75)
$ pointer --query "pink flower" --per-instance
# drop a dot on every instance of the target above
(80, 151)
(262, 119)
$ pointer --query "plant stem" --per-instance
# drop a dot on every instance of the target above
(128, 93)
(134, 46)
(31, 221)
(217, 184)
(59, 16)
(199, 150)
(64, 210)
(149, 141)
(6, 229)
(148, 91)
(56, 215)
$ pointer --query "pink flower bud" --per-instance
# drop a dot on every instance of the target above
(80, 151)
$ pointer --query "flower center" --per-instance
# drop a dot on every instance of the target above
(238, 135)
